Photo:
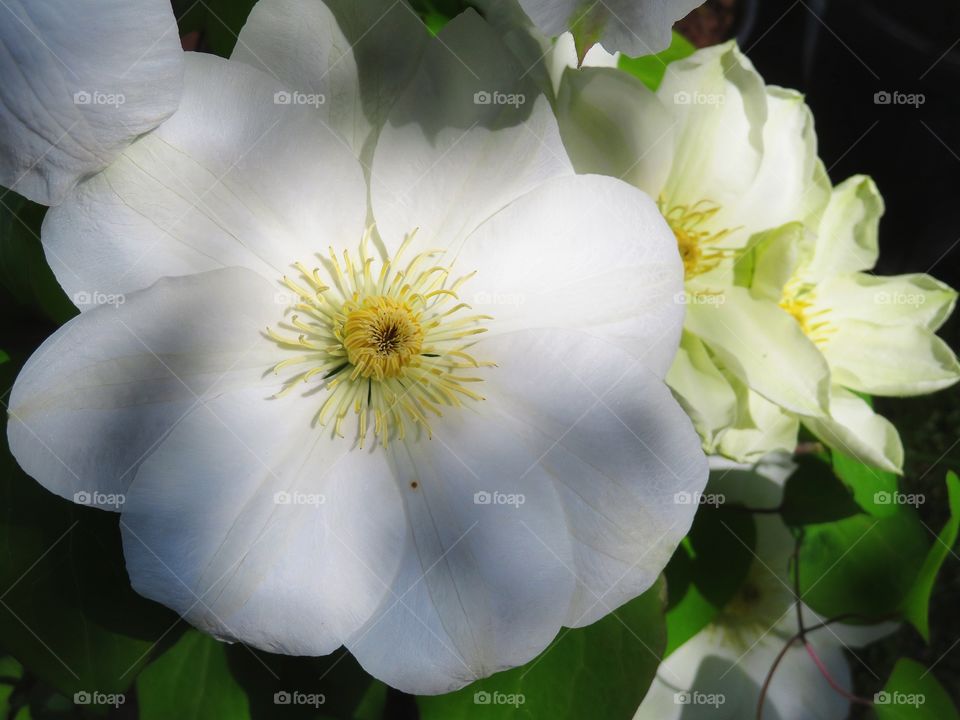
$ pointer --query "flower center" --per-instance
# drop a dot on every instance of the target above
(756, 607)
(798, 300)
(382, 336)
(695, 240)
(391, 348)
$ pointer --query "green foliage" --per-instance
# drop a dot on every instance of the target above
(68, 611)
(191, 681)
(602, 670)
(219, 21)
(24, 272)
(916, 604)
(873, 489)
(814, 494)
(707, 570)
(861, 565)
(913, 693)
(650, 69)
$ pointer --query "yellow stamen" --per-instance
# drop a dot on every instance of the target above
(391, 344)
(698, 245)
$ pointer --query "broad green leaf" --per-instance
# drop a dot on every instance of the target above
(862, 565)
(916, 605)
(4, 357)
(24, 272)
(68, 612)
(874, 490)
(602, 670)
(650, 69)
(191, 681)
(698, 589)
(814, 494)
(913, 693)
(302, 688)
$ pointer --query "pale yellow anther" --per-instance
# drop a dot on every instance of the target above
(391, 347)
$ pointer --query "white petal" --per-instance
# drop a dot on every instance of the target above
(469, 136)
(702, 390)
(719, 106)
(597, 449)
(761, 427)
(586, 252)
(897, 300)
(357, 56)
(799, 691)
(883, 360)
(636, 27)
(706, 666)
(855, 429)
(613, 124)
(847, 235)
(765, 348)
(81, 80)
(619, 448)
(775, 254)
(791, 183)
(104, 389)
(234, 178)
(745, 147)
(256, 526)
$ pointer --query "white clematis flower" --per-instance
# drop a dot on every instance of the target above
(876, 333)
(636, 27)
(435, 439)
(734, 167)
(718, 673)
(81, 80)
(727, 158)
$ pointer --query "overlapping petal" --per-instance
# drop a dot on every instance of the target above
(236, 177)
(81, 80)
(99, 395)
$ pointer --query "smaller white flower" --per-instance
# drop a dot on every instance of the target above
(783, 326)
(876, 333)
(636, 27)
(719, 673)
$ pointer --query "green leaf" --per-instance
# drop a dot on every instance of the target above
(219, 21)
(24, 272)
(281, 686)
(861, 565)
(913, 693)
(4, 357)
(191, 681)
(916, 605)
(650, 69)
(814, 494)
(720, 538)
(602, 670)
(68, 612)
(10, 670)
(873, 489)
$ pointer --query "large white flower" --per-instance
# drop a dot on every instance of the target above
(720, 672)
(636, 27)
(432, 427)
(81, 80)
(734, 167)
